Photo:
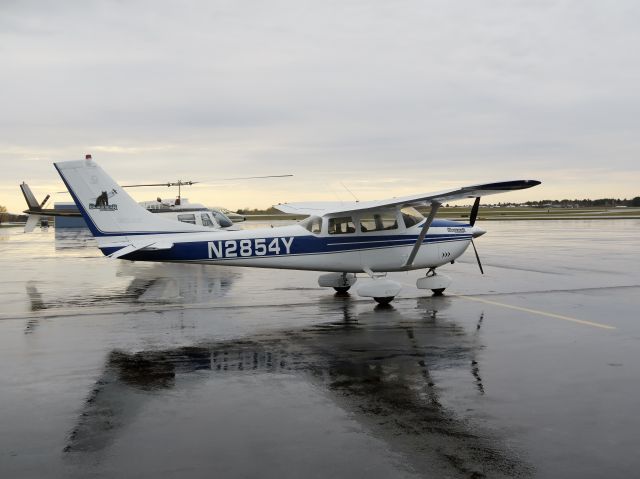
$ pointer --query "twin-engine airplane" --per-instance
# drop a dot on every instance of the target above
(343, 239)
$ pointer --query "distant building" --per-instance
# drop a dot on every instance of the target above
(68, 221)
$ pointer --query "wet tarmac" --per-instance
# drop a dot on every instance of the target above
(118, 369)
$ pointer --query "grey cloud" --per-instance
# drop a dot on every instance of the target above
(357, 88)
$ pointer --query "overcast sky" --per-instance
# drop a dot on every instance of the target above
(390, 98)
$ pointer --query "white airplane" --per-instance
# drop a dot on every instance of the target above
(179, 209)
(343, 239)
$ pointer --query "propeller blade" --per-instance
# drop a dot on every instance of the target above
(474, 211)
(252, 177)
(189, 183)
(477, 256)
(168, 184)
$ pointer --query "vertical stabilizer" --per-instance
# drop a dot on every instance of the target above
(29, 197)
(107, 208)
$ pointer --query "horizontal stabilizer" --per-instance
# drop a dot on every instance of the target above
(156, 245)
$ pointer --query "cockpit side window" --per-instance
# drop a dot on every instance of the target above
(206, 220)
(381, 221)
(341, 226)
(190, 218)
(411, 216)
(312, 224)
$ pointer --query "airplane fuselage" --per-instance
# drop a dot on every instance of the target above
(294, 247)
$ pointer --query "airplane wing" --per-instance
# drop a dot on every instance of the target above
(322, 208)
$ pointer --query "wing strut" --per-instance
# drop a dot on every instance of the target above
(434, 209)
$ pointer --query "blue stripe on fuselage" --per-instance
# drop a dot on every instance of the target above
(301, 245)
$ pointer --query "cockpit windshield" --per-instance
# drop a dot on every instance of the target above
(222, 220)
(411, 216)
(312, 224)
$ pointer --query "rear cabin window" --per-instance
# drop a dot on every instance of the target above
(312, 224)
(378, 222)
(341, 226)
(206, 221)
(187, 219)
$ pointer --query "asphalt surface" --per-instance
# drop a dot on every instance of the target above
(118, 369)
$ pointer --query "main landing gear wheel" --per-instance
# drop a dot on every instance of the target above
(341, 282)
(433, 281)
(381, 290)
(384, 301)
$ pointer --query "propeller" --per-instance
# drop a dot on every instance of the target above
(474, 211)
(472, 221)
(477, 256)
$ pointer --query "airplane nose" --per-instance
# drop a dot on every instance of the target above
(477, 231)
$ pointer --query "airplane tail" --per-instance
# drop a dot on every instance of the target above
(30, 198)
(33, 218)
(105, 206)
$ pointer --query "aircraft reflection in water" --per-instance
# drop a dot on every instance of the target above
(178, 283)
(73, 238)
(163, 283)
(160, 283)
(378, 365)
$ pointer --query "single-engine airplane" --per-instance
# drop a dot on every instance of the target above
(341, 239)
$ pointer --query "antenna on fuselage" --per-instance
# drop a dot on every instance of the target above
(350, 192)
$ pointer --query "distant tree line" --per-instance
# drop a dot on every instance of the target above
(586, 203)
(566, 203)
(9, 217)
(258, 211)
